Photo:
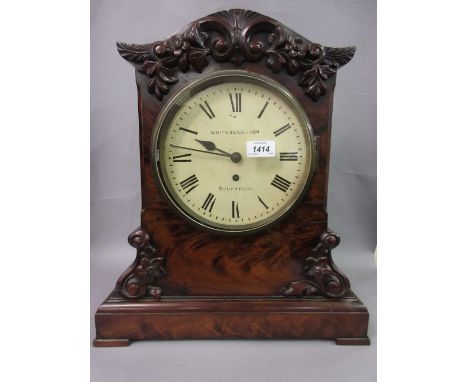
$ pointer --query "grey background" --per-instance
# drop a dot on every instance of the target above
(115, 194)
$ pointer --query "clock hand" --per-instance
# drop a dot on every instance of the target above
(201, 151)
(210, 146)
(207, 144)
(235, 157)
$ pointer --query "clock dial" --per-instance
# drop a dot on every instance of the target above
(233, 152)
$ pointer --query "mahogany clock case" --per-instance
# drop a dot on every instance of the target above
(189, 283)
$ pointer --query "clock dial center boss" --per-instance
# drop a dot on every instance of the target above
(233, 151)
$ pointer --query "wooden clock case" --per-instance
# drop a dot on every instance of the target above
(188, 283)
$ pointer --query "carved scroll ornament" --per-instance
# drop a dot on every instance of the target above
(140, 278)
(323, 277)
(236, 36)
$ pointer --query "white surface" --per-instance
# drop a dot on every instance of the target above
(261, 149)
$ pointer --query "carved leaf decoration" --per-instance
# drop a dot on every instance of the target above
(312, 81)
(236, 36)
(198, 60)
(306, 64)
(299, 288)
(326, 72)
(157, 88)
(135, 53)
(308, 77)
(166, 75)
(156, 270)
(275, 61)
(194, 37)
(160, 78)
(183, 63)
(323, 278)
(338, 56)
(169, 61)
(293, 67)
(149, 68)
(278, 38)
(317, 89)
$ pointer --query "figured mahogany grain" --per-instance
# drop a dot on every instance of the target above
(254, 318)
(215, 286)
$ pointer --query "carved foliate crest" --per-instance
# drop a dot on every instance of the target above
(236, 36)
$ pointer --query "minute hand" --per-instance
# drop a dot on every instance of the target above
(201, 151)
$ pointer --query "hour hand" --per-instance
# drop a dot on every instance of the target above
(207, 144)
(210, 146)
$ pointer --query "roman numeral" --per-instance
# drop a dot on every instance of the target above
(189, 184)
(282, 130)
(281, 183)
(208, 112)
(235, 210)
(182, 158)
(261, 201)
(236, 108)
(209, 202)
(187, 130)
(288, 156)
(263, 109)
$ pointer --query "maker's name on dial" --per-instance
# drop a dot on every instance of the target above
(234, 132)
(236, 188)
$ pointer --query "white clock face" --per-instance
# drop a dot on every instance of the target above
(234, 151)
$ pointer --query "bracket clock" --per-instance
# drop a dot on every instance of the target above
(234, 122)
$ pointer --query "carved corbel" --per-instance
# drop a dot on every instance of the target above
(140, 279)
(323, 276)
